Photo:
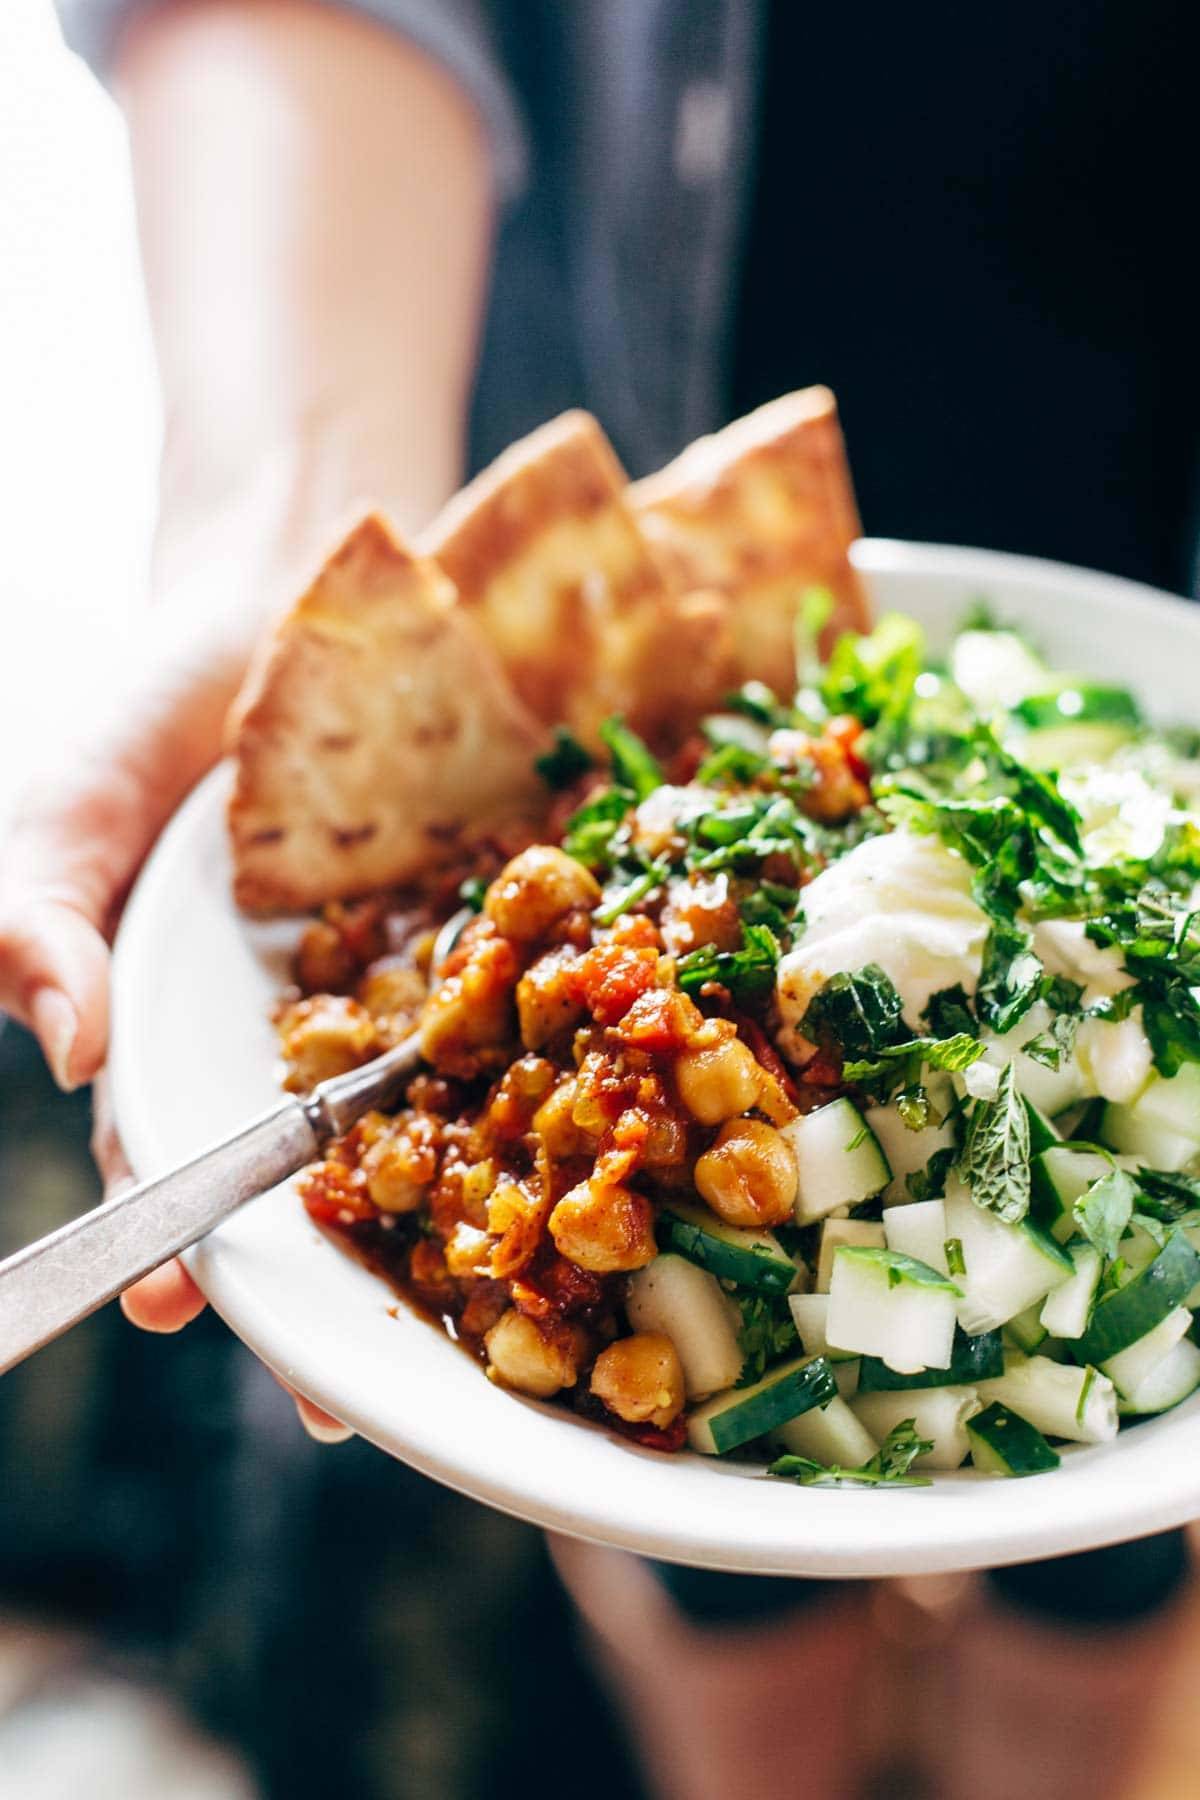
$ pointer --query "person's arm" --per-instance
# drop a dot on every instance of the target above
(314, 201)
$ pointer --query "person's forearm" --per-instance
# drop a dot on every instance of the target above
(314, 207)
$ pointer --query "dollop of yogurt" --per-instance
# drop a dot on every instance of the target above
(901, 900)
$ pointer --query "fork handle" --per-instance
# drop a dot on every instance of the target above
(59, 1280)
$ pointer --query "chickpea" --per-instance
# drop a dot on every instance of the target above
(603, 1227)
(398, 1169)
(470, 1011)
(640, 1379)
(556, 1127)
(325, 1036)
(392, 986)
(523, 1356)
(324, 962)
(749, 1175)
(537, 889)
(545, 1003)
(717, 1075)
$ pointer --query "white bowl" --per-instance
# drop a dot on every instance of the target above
(194, 1055)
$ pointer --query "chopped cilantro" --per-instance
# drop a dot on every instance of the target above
(748, 973)
(633, 766)
(889, 1466)
(766, 1333)
(590, 832)
(564, 762)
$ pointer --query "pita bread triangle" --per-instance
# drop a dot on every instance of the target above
(377, 736)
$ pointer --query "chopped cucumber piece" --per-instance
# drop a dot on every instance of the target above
(1068, 746)
(1156, 1145)
(845, 1373)
(1130, 1368)
(1026, 1332)
(736, 1418)
(890, 1306)
(939, 1414)
(1135, 1309)
(1173, 1102)
(1066, 1310)
(830, 1434)
(867, 1234)
(687, 1304)
(1169, 1382)
(1042, 1134)
(995, 669)
(1061, 1400)
(1003, 1443)
(1006, 1268)
(753, 1259)
(1082, 703)
(1047, 1090)
(1060, 1176)
(972, 1359)
(908, 1151)
(838, 1160)
(810, 1314)
(919, 1230)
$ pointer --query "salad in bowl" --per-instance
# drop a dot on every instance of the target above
(821, 1093)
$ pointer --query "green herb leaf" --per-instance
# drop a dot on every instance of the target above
(949, 1013)
(952, 1053)
(860, 1013)
(1010, 978)
(632, 764)
(766, 1333)
(590, 832)
(748, 973)
(889, 1466)
(1104, 1211)
(630, 892)
(472, 892)
(995, 1156)
(564, 762)
(929, 1183)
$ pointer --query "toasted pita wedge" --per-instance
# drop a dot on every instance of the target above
(544, 550)
(760, 512)
(376, 736)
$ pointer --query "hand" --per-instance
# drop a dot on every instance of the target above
(75, 846)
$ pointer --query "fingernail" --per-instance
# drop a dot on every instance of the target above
(333, 1433)
(57, 1026)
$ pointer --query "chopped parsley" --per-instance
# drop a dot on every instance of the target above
(889, 1467)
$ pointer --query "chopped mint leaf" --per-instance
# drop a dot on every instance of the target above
(564, 762)
(949, 1013)
(995, 1156)
(889, 1467)
(1168, 1196)
(859, 1013)
(1010, 978)
(1104, 1211)
(929, 1183)
(952, 1053)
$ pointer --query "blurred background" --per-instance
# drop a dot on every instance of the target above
(195, 1600)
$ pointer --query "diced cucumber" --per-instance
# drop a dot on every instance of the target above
(1003, 1443)
(838, 1160)
(753, 1259)
(1060, 1176)
(972, 1359)
(1066, 1310)
(686, 1303)
(1173, 1102)
(939, 1414)
(1135, 1309)
(1006, 1268)
(1130, 1368)
(736, 1418)
(810, 1313)
(907, 1151)
(1048, 1090)
(1169, 1382)
(1080, 703)
(918, 1229)
(1060, 1399)
(1161, 1128)
(1026, 1332)
(867, 1234)
(890, 1306)
(829, 1434)
(1043, 1135)
(1068, 746)
(845, 1373)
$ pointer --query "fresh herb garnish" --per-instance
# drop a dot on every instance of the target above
(748, 973)
(929, 1183)
(472, 892)
(1010, 978)
(889, 1466)
(633, 766)
(953, 1053)
(564, 762)
(949, 1013)
(860, 1013)
(590, 832)
(995, 1155)
(1104, 1211)
(766, 1333)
